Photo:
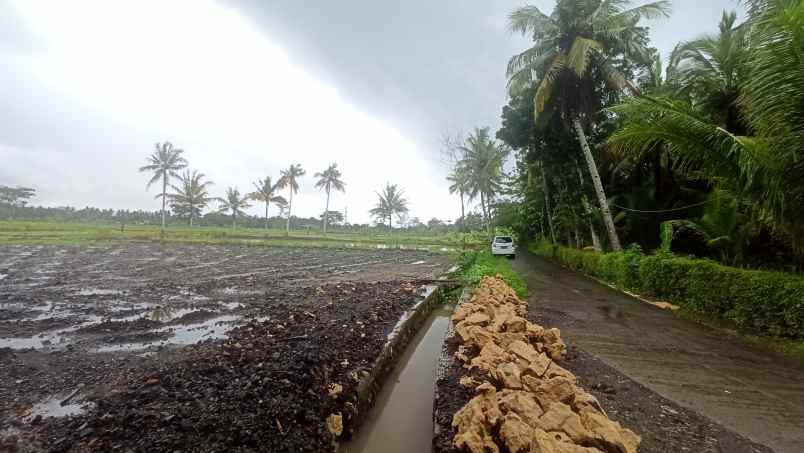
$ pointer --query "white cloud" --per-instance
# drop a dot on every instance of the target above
(196, 73)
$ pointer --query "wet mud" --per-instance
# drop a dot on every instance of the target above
(178, 347)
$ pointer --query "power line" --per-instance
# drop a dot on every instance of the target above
(661, 211)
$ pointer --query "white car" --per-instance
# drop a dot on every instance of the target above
(503, 245)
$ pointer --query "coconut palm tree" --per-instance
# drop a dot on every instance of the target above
(164, 163)
(766, 165)
(713, 69)
(266, 193)
(482, 165)
(289, 179)
(233, 203)
(459, 184)
(191, 195)
(578, 41)
(390, 202)
(328, 180)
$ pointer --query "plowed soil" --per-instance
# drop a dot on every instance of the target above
(191, 348)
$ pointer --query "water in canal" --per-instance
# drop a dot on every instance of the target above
(401, 420)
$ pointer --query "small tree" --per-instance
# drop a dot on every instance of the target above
(328, 180)
(390, 202)
(16, 196)
(233, 203)
(289, 179)
(164, 163)
(266, 193)
(190, 196)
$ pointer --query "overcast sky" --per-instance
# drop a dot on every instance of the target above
(248, 87)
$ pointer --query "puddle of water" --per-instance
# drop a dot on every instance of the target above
(401, 420)
(98, 292)
(232, 305)
(52, 408)
(418, 262)
(164, 313)
(54, 339)
(2, 276)
(213, 329)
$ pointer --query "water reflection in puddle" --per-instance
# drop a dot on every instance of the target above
(98, 292)
(211, 329)
(52, 407)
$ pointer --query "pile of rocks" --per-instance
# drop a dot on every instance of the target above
(525, 401)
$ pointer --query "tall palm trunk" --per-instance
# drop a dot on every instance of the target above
(266, 214)
(390, 223)
(164, 196)
(546, 192)
(463, 214)
(191, 215)
(485, 213)
(601, 194)
(326, 213)
(290, 209)
(234, 220)
(585, 203)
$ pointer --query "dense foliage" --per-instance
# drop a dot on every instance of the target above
(710, 144)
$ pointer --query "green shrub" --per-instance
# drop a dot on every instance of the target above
(762, 301)
(474, 265)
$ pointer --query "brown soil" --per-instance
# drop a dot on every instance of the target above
(297, 320)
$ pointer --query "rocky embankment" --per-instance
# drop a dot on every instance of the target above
(524, 401)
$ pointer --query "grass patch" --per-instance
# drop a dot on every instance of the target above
(21, 232)
(474, 265)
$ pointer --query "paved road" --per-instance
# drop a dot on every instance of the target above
(741, 387)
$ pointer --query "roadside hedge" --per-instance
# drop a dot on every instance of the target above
(762, 301)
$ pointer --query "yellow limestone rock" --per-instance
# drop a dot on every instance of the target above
(556, 370)
(523, 351)
(555, 442)
(553, 344)
(522, 403)
(516, 434)
(561, 418)
(557, 389)
(490, 356)
(464, 310)
(474, 335)
(475, 421)
(534, 331)
(538, 367)
(508, 375)
(335, 424)
(609, 435)
(540, 408)
(585, 401)
(477, 318)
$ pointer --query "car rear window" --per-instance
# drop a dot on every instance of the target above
(503, 240)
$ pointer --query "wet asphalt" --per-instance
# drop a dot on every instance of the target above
(753, 392)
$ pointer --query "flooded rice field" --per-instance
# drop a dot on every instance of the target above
(150, 347)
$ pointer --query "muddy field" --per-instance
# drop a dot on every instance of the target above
(144, 347)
